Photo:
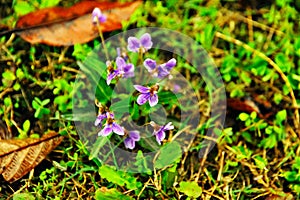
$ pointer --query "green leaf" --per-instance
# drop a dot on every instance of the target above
(119, 177)
(246, 78)
(247, 136)
(290, 176)
(9, 75)
(268, 142)
(169, 153)
(26, 126)
(283, 62)
(277, 98)
(23, 7)
(169, 177)
(190, 189)
(142, 163)
(243, 116)
(260, 162)
(20, 73)
(110, 194)
(45, 102)
(37, 113)
(253, 115)
(281, 116)
(100, 142)
(23, 196)
(47, 3)
(296, 165)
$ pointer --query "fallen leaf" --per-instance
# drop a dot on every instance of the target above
(60, 26)
(19, 156)
(247, 106)
(277, 197)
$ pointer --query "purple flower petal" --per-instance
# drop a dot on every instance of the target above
(99, 119)
(162, 72)
(168, 126)
(134, 135)
(153, 100)
(105, 131)
(112, 75)
(146, 41)
(142, 98)
(117, 129)
(128, 70)
(150, 64)
(97, 15)
(120, 63)
(129, 143)
(141, 89)
(160, 136)
(102, 18)
(170, 64)
(133, 44)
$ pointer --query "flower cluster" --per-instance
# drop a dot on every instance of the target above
(159, 71)
(121, 67)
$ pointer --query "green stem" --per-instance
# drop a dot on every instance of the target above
(102, 40)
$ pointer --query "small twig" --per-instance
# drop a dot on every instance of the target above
(142, 190)
(254, 23)
(250, 25)
(274, 65)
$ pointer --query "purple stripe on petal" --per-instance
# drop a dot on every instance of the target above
(105, 131)
(146, 41)
(112, 76)
(129, 143)
(141, 89)
(150, 64)
(170, 64)
(129, 70)
(99, 119)
(133, 44)
(134, 135)
(160, 136)
(142, 98)
(117, 129)
(162, 72)
(153, 100)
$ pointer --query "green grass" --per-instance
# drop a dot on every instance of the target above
(256, 48)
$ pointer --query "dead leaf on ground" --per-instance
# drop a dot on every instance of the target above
(19, 156)
(60, 26)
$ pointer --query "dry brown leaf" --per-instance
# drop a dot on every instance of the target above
(19, 156)
(59, 26)
(277, 197)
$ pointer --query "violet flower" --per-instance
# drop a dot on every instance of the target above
(159, 131)
(99, 119)
(133, 137)
(140, 45)
(123, 70)
(147, 94)
(97, 16)
(159, 71)
(111, 126)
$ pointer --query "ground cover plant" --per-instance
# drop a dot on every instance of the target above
(255, 47)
